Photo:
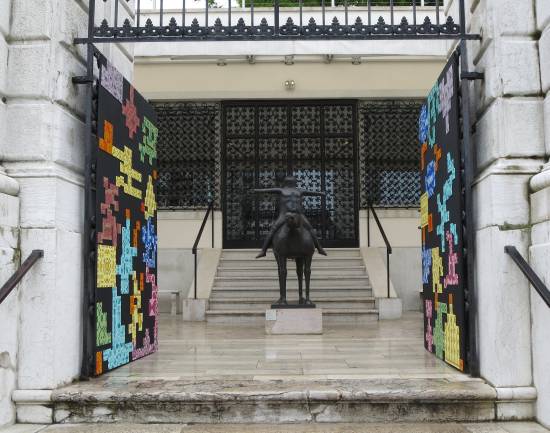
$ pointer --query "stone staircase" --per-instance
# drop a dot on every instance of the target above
(244, 287)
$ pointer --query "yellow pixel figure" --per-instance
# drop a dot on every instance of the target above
(424, 209)
(452, 339)
(125, 158)
(106, 266)
(150, 200)
(437, 271)
(135, 310)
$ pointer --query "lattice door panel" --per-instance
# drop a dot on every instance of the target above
(313, 140)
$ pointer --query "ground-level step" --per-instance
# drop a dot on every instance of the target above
(257, 303)
(257, 316)
(449, 427)
(158, 400)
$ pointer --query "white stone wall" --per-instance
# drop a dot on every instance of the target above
(42, 147)
(510, 148)
(539, 252)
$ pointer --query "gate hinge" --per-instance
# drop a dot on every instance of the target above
(472, 75)
(82, 79)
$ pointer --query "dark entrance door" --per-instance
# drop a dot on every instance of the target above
(313, 140)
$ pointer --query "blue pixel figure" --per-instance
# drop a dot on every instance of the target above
(149, 240)
(433, 111)
(426, 265)
(430, 178)
(126, 267)
(442, 204)
(423, 124)
(455, 235)
(119, 353)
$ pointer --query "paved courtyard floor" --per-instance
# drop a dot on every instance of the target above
(385, 349)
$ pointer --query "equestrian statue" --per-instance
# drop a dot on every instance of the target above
(292, 237)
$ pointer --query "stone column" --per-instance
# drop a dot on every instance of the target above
(510, 148)
(44, 151)
(540, 233)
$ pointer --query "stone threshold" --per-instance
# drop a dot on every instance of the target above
(214, 401)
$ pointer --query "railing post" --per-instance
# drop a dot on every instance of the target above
(195, 254)
(368, 226)
(388, 270)
(462, 17)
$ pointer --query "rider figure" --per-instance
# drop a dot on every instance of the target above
(290, 201)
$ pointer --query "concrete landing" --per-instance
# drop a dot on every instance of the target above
(512, 427)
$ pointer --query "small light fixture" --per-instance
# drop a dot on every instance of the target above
(251, 59)
(356, 60)
(329, 58)
(221, 62)
(289, 60)
(290, 84)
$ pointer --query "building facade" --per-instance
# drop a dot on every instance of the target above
(299, 97)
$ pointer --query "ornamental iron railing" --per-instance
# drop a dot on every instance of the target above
(188, 20)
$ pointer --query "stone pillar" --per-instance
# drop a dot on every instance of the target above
(510, 148)
(539, 253)
(9, 309)
(44, 151)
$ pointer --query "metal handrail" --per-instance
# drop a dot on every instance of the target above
(199, 235)
(20, 273)
(388, 246)
(528, 271)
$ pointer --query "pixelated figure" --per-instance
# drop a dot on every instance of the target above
(106, 268)
(423, 151)
(433, 111)
(126, 267)
(430, 178)
(423, 124)
(112, 81)
(446, 93)
(439, 333)
(136, 314)
(130, 112)
(452, 339)
(437, 155)
(106, 143)
(442, 204)
(426, 265)
(437, 271)
(424, 210)
(428, 308)
(149, 240)
(150, 205)
(119, 353)
(149, 145)
(451, 279)
(103, 336)
(110, 227)
(153, 302)
(125, 158)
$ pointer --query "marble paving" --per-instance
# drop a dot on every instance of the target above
(384, 350)
(512, 427)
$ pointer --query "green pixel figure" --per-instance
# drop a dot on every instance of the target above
(150, 137)
(103, 337)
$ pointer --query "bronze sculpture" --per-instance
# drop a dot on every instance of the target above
(292, 237)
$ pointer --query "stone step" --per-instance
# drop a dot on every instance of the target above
(273, 281)
(330, 316)
(332, 262)
(331, 253)
(292, 292)
(156, 400)
(272, 271)
(218, 304)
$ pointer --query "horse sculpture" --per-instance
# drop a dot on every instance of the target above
(292, 237)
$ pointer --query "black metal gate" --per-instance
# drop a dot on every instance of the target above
(263, 141)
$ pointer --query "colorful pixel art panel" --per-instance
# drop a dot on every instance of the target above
(126, 233)
(441, 206)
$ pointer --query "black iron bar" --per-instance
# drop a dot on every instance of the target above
(368, 226)
(183, 17)
(462, 17)
(388, 246)
(9, 285)
(251, 13)
(198, 238)
(229, 14)
(529, 273)
(138, 13)
(323, 13)
(116, 14)
(414, 14)
(437, 12)
(206, 16)
(391, 14)
(276, 9)
(346, 13)
(161, 12)
(301, 13)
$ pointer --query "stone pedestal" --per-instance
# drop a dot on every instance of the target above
(194, 310)
(289, 321)
(389, 308)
